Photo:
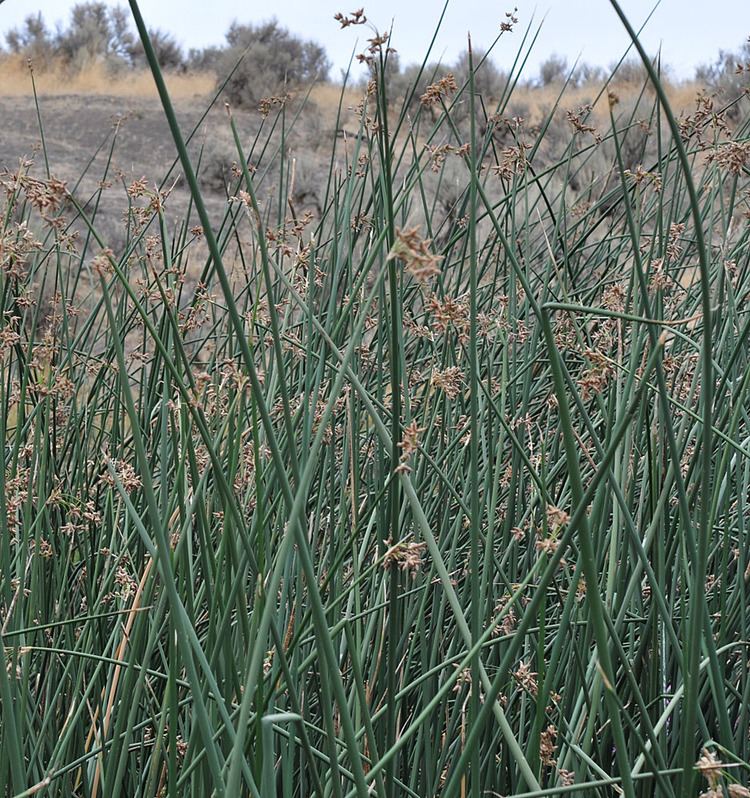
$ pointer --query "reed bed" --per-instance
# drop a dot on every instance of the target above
(392, 499)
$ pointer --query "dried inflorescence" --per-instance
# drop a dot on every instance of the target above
(375, 50)
(46, 196)
(408, 444)
(17, 244)
(707, 118)
(288, 239)
(641, 176)
(405, 556)
(547, 545)
(415, 252)
(438, 91)
(526, 678)
(448, 313)
(124, 473)
(439, 153)
(138, 188)
(506, 26)
(267, 104)
(548, 746)
(197, 313)
(731, 156)
(556, 517)
(102, 263)
(16, 493)
(613, 297)
(577, 119)
(513, 161)
(354, 18)
(449, 380)
(508, 623)
(659, 279)
(597, 375)
(674, 248)
(712, 769)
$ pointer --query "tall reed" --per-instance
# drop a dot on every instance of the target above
(440, 491)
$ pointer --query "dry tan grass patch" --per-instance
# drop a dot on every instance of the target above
(97, 80)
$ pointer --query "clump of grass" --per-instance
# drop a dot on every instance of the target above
(407, 497)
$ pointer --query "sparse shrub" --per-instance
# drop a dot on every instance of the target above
(216, 159)
(167, 49)
(489, 80)
(588, 74)
(553, 70)
(96, 33)
(32, 40)
(729, 74)
(203, 58)
(273, 61)
(632, 72)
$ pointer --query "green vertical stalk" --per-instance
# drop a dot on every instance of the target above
(393, 314)
(475, 781)
(697, 602)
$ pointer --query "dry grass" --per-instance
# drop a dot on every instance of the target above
(327, 96)
(97, 80)
(681, 95)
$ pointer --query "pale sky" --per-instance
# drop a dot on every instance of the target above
(689, 32)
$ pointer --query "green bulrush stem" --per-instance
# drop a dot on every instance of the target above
(474, 518)
(160, 552)
(318, 610)
(38, 110)
(532, 608)
(273, 313)
(437, 558)
(11, 741)
(698, 571)
(589, 559)
(213, 248)
(395, 354)
(223, 279)
(714, 671)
